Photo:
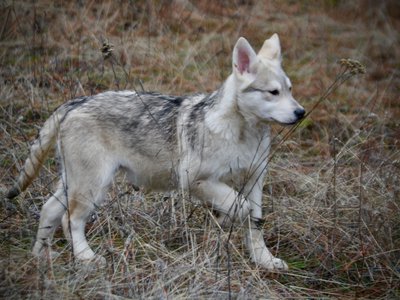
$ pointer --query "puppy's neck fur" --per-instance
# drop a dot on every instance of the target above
(225, 120)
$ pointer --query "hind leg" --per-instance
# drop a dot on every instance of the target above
(86, 189)
(50, 219)
(88, 166)
(80, 204)
(74, 222)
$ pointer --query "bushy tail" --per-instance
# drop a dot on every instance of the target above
(38, 153)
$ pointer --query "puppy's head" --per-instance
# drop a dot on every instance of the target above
(264, 92)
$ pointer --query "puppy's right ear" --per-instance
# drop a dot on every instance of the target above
(244, 58)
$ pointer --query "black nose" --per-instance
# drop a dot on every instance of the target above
(299, 113)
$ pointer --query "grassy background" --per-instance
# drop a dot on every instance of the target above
(332, 197)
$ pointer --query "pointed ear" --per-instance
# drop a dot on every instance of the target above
(271, 48)
(243, 57)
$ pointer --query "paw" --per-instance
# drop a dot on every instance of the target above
(280, 264)
(274, 264)
(96, 259)
(99, 260)
(46, 254)
(42, 252)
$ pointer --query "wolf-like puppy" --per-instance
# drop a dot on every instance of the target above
(213, 145)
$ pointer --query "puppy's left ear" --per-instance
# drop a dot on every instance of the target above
(271, 48)
(244, 58)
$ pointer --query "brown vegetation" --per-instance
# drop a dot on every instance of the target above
(332, 197)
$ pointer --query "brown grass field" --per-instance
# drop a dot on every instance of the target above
(332, 195)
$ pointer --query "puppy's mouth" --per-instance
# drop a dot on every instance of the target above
(273, 120)
(288, 123)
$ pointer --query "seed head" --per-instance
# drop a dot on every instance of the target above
(353, 66)
(107, 49)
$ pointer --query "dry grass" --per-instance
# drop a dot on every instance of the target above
(332, 194)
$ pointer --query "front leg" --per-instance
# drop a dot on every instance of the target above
(231, 206)
(254, 239)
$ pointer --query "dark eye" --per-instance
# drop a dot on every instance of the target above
(274, 92)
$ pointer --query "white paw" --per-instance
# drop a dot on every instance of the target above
(280, 264)
(100, 260)
(95, 259)
(43, 252)
(46, 254)
(90, 264)
(274, 264)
